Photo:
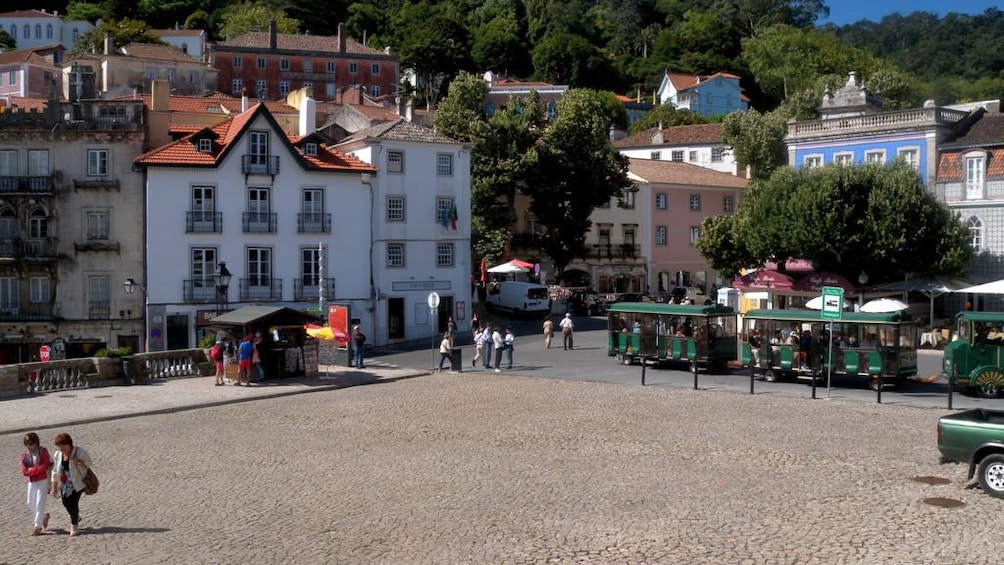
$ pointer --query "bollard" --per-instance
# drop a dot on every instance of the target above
(951, 387)
(695, 374)
(879, 388)
(752, 375)
(643, 372)
(813, 379)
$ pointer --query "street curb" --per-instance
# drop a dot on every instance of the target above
(352, 382)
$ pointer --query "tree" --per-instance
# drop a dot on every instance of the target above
(566, 58)
(499, 46)
(7, 43)
(435, 46)
(576, 170)
(877, 219)
(86, 11)
(123, 33)
(756, 140)
(238, 19)
(666, 115)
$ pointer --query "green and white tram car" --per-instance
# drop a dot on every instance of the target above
(701, 336)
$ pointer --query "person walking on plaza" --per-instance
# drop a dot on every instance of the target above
(358, 341)
(444, 349)
(244, 353)
(68, 472)
(216, 354)
(510, 346)
(487, 346)
(477, 346)
(35, 465)
(548, 331)
(451, 329)
(498, 342)
(567, 329)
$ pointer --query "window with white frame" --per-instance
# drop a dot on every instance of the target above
(38, 224)
(975, 234)
(353, 68)
(97, 162)
(98, 224)
(38, 31)
(975, 166)
(677, 156)
(9, 301)
(875, 157)
(695, 202)
(8, 163)
(375, 69)
(99, 305)
(12, 78)
(628, 201)
(203, 268)
(374, 90)
(717, 154)
(261, 62)
(284, 64)
(310, 149)
(695, 234)
(444, 208)
(238, 62)
(395, 161)
(193, 77)
(444, 254)
(310, 266)
(284, 87)
(395, 209)
(811, 161)
(236, 86)
(660, 235)
(444, 164)
(655, 155)
(205, 145)
(259, 268)
(38, 163)
(628, 232)
(312, 208)
(728, 204)
(660, 200)
(395, 255)
(40, 290)
(692, 157)
(910, 156)
(845, 158)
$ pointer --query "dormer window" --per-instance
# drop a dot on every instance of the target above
(975, 169)
(205, 146)
(310, 149)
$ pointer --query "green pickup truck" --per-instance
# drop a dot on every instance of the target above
(975, 437)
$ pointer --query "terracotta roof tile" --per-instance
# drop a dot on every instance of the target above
(400, 130)
(699, 134)
(298, 42)
(27, 14)
(671, 172)
(24, 56)
(951, 165)
(19, 103)
(178, 32)
(987, 131)
(158, 52)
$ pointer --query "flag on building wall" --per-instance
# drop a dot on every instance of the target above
(453, 216)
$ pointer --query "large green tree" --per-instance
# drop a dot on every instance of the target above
(756, 140)
(123, 32)
(239, 18)
(577, 169)
(876, 219)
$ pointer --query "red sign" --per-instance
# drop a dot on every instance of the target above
(338, 318)
(43, 353)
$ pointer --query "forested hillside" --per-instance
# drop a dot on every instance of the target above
(626, 45)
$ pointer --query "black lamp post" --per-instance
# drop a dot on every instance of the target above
(222, 285)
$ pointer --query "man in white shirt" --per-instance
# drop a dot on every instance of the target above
(499, 343)
(567, 329)
(510, 341)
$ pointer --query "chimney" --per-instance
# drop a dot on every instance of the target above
(160, 96)
(244, 100)
(308, 115)
(406, 108)
(341, 37)
(272, 35)
(109, 44)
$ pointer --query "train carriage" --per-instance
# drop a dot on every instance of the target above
(701, 336)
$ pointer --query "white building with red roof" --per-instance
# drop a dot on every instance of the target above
(709, 95)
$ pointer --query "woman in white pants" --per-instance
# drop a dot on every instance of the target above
(35, 465)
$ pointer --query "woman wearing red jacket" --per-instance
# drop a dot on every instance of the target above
(35, 465)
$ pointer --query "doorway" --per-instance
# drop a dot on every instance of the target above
(395, 318)
(177, 332)
(445, 311)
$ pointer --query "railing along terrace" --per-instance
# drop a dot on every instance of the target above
(881, 120)
(259, 222)
(30, 312)
(38, 185)
(199, 290)
(261, 288)
(313, 222)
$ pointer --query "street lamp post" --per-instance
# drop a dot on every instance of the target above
(130, 286)
(223, 277)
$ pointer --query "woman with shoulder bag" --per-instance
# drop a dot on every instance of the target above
(70, 467)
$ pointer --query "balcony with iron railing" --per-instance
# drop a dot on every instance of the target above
(200, 290)
(260, 288)
(36, 186)
(99, 310)
(259, 222)
(204, 222)
(252, 164)
(29, 312)
(308, 289)
(313, 222)
(34, 249)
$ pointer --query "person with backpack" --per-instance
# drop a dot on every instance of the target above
(216, 354)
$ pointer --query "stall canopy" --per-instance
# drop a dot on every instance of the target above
(764, 280)
(248, 317)
(816, 281)
(931, 287)
(995, 287)
(514, 266)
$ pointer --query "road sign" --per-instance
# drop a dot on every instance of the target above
(433, 300)
(833, 303)
(43, 353)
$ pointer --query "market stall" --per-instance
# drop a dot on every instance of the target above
(279, 337)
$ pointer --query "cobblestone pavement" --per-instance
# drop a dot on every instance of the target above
(493, 469)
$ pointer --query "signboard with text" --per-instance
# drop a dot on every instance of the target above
(833, 303)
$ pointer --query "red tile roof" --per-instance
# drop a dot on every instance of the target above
(158, 52)
(185, 153)
(671, 172)
(952, 165)
(298, 42)
(24, 56)
(27, 14)
(699, 134)
(188, 32)
(19, 103)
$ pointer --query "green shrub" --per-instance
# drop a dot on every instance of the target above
(120, 352)
(207, 341)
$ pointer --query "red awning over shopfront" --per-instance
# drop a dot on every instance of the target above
(816, 281)
(764, 279)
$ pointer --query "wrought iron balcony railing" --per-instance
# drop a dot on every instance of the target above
(204, 222)
(260, 164)
(308, 289)
(313, 222)
(259, 222)
(261, 288)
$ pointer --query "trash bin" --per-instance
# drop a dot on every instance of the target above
(456, 361)
(128, 369)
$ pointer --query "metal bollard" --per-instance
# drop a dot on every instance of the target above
(879, 388)
(752, 375)
(643, 372)
(695, 374)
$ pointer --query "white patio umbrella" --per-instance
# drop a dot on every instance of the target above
(815, 304)
(995, 287)
(507, 268)
(884, 305)
(931, 287)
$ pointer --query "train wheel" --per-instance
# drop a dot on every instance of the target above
(771, 376)
(990, 383)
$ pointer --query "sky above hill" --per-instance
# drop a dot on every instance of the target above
(849, 11)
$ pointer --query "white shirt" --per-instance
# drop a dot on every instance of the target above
(497, 340)
(566, 324)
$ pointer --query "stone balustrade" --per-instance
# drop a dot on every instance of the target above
(68, 374)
